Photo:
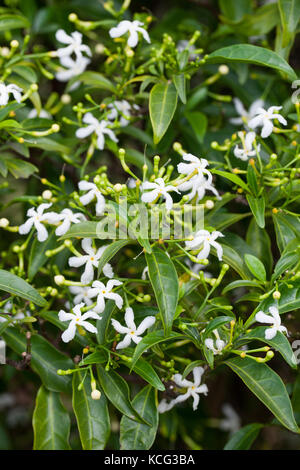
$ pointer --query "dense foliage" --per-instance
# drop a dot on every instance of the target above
(150, 183)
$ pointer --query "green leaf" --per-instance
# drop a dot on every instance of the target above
(15, 285)
(82, 230)
(230, 176)
(253, 55)
(180, 84)
(51, 422)
(104, 325)
(162, 106)
(150, 340)
(137, 436)
(8, 22)
(284, 233)
(91, 415)
(256, 267)
(215, 323)
(287, 261)
(37, 257)
(45, 359)
(94, 79)
(257, 206)
(109, 252)
(234, 10)
(198, 122)
(146, 371)
(267, 386)
(244, 437)
(289, 15)
(259, 240)
(240, 283)
(97, 357)
(20, 169)
(117, 391)
(164, 280)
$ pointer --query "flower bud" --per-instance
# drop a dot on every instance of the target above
(59, 280)
(96, 394)
(47, 194)
(55, 127)
(4, 222)
(65, 98)
(223, 69)
(276, 295)
(209, 204)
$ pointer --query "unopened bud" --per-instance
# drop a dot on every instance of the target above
(276, 295)
(59, 280)
(47, 194)
(223, 69)
(96, 394)
(4, 222)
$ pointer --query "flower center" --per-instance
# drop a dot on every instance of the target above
(103, 292)
(132, 332)
(92, 258)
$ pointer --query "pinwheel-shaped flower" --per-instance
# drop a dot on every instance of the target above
(103, 292)
(121, 108)
(198, 185)
(5, 91)
(131, 27)
(81, 295)
(159, 188)
(67, 217)
(99, 127)
(132, 333)
(193, 390)
(93, 192)
(247, 150)
(264, 118)
(245, 116)
(35, 217)
(76, 319)
(196, 165)
(72, 69)
(274, 320)
(90, 260)
(204, 239)
(74, 44)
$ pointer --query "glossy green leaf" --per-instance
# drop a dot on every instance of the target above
(15, 285)
(146, 371)
(232, 177)
(51, 422)
(138, 436)
(256, 267)
(117, 391)
(164, 280)
(8, 22)
(110, 251)
(162, 106)
(96, 80)
(198, 122)
(150, 340)
(257, 206)
(37, 257)
(244, 437)
(254, 55)
(237, 284)
(45, 359)
(267, 386)
(290, 16)
(91, 415)
(180, 84)
(259, 240)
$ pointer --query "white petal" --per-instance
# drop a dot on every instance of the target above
(261, 317)
(197, 373)
(88, 274)
(145, 324)
(129, 318)
(119, 328)
(69, 334)
(26, 227)
(64, 316)
(88, 326)
(77, 261)
(270, 333)
(125, 343)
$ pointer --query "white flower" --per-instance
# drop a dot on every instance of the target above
(196, 165)
(5, 91)
(81, 295)
(131, 27)
(193, 390)
(122, 108)
(72, 69)
(273, 320)
(91, 261)
(247, 150)
(68, 217)
(217, 345)
(264, 119)
(132, 333)
(246, 116)
(42, 114)
(198, 184)
(74, 44)
(158, 188)
(99, 127)
(93, 192)
(36, 217)
(75, 319)
(232, 421)
(104, 292)
(206, 240)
